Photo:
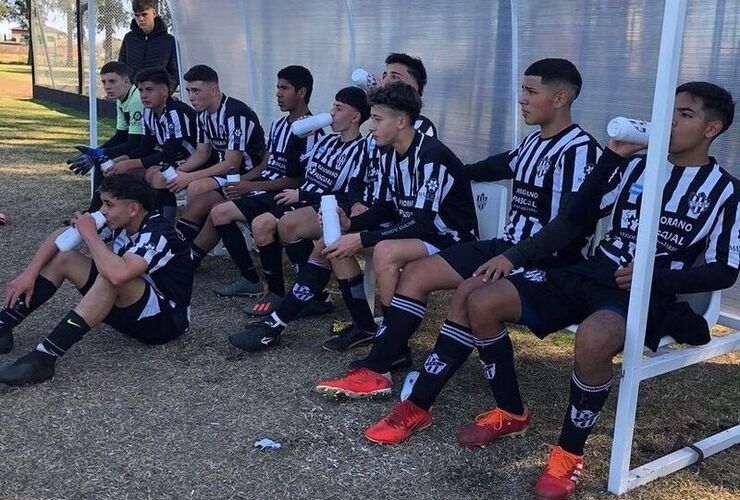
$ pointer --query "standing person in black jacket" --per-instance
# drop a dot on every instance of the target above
(148, 45)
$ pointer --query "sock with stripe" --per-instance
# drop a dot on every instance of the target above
(271, 256)
(234, 242)
(353, 293)
(298, 252)
(454, 344)
(401, 320)
(497, 359)
(584, 408)
(314, 277)
(197, 254)
(10, 317)
(188, 228)
(68, 332)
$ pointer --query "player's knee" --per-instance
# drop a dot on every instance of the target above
(597, 343)
(486, 306)
(384, 257)
(221, 215)
(287, 228)
(263, 227)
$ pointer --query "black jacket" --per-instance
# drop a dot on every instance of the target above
(155, 50)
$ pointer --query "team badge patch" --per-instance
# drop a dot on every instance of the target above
(481, 201)
(544, 166)
(536, 276)
(433, 365)
(699, 203)
(583, 419)
(630, 220)
(137, 116)
(302, 293)
(237, 133)
(489, 371)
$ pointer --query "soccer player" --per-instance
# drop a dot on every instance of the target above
(285, 168)
(226, 128)
(129, 125)
(169, 137)
(141, 287)
(549, 165)
(698, 218)
(294, 223)
(147, 44)
(422, 193)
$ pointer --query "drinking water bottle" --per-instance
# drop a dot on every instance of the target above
(330, 219)
(629, 130)
(71, 238)
(312, 123)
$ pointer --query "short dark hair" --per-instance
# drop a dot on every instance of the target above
(554, 71)
(414, 65)
(356, 98)
(142, 5)
(157, 76)
(116, 67)
(399, 96)
(201, 73)
(129, 187)
(299, 77)
(717, 101)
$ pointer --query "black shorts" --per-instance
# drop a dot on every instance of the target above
(466, 257)
(252, 206)
(150, 320)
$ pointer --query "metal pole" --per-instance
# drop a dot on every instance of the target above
(515, 72)
(92, 26)
(251, 93)
(178, 54)
(674, 17)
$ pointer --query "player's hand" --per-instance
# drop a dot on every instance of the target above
(346, 246)
(85, 224)
(124, 166)
(236, 191)
(21, 287)
(287, 197)
(495, 268)
(623, 277)
(81, 164)
(120, 158)
(625, 149)
(358, 208)
(91, 152)
(180, 182)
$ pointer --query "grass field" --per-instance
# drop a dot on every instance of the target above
(121, 420)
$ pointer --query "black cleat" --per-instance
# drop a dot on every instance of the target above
(6, 341)
(316, 307)
(401, 363)
(256, 337)
(33, 368)
(349, 337)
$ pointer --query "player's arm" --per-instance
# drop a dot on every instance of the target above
(199, 158)
(232, 159)
(117, 270)
(494, 168)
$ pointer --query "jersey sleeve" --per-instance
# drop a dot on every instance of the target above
(154, 249)
(723, 245)
(121, 123)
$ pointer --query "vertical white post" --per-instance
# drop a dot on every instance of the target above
(178, 54)
(671, 41)
(515, 72)
(351, 33)
(92, 26)
(251, 94)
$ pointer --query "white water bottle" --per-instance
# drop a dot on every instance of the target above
(168, 171)
(105, 163)
(71, 238)
(364, 79)
(330, 219)
(629, 130)
(233, 177)
(312, 123)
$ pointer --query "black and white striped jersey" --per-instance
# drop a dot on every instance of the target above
(426, 181)
(168, 137)
(699, 214)
(167, 254)
(363, 177)
(543, 170)
(329, 166)
(287, 153)
(234, 126)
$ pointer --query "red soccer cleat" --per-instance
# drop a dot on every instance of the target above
(490, 426)
(358, 383)
(561, 475)
(405, 419)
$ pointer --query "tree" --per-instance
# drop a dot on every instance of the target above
(16, 11)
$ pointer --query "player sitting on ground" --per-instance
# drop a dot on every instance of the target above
(229, 137)
(141, 288)
(295, 219)
(255, 195)
(548, 167)
(116, 79)
(421, 190)
(169, 137)
(699, 217)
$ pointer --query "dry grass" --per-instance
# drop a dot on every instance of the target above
(121, 420)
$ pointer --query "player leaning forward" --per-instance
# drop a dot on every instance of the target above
(141, 287)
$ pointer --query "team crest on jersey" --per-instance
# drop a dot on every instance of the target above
(221, 130)
(630, 220)
(237, 133)
(586, 171)
(171, 127)
(430, 188)
(489, 370)
(583, 419)
(342, 160)
(136, 116)
(699, 203)
(536, 276)
(302, 293)
(544, 166)
(433, 365)
(481, 201)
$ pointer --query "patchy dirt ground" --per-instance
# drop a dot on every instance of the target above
(121, 420)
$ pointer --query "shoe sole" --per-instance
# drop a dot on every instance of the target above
(418, 429)
(334, 393)
(483, 445)
(359, 343)
(244, 294)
